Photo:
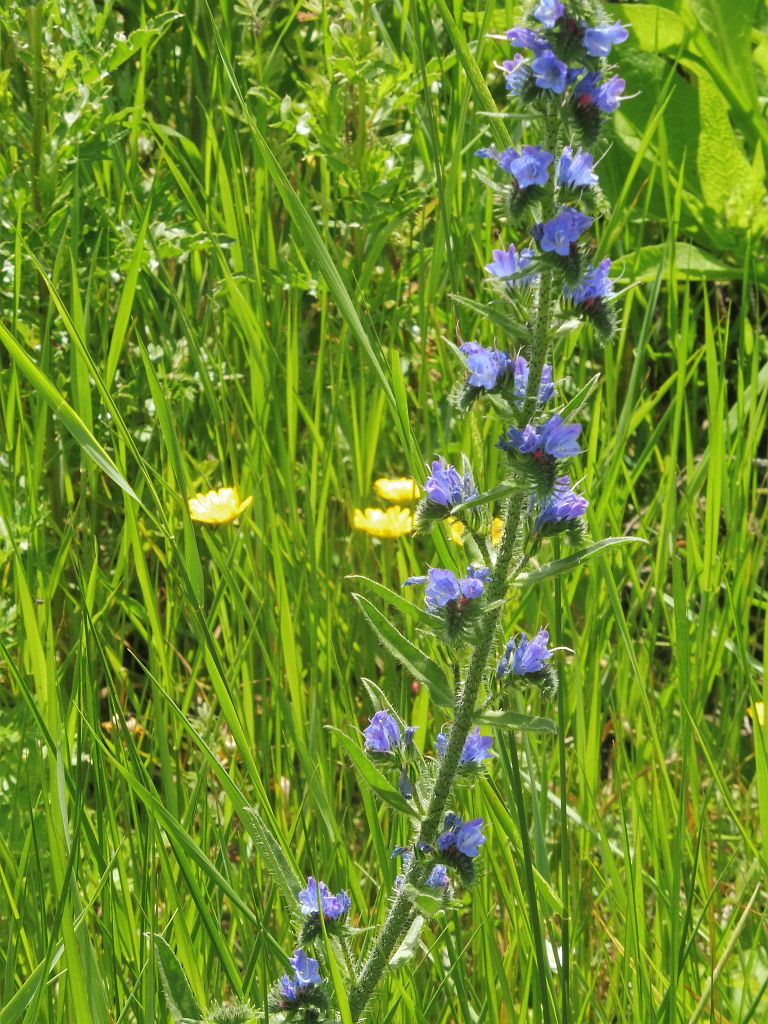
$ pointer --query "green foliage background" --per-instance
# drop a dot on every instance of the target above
(229, 240)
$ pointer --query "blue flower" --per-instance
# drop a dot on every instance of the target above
(516, 73)
(576, 171)
(549, 72)
(408, 734)
(589, 92)
(529, 167)
(443, 587)
(548, 12)
(546, 387)
(305, 974)
(465, 837)
(382, 736)
(404, 784)
(593, 286)
(524, 657)
(565, 228)
(446, 487)
(554, 438)
(476, 749)
(599, 40)
(562, 506)
(317, 898)
(507, 263)
(438, 877)
(527, 39)
(485, 365)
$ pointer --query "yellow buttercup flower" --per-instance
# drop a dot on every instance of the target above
(397, 490)
(456, 531)
(387, 523)
(218, 507)
(757, 711)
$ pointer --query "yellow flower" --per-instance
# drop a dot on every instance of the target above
(456, 531)
(378, 522)
(757, 711)
(218, 507)
(397, 490)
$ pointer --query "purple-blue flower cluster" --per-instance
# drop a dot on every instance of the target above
(305, 977)
(444, 486)
(525, 657)
(561, 509)
(489, 369)
(562, 231)
(555, 438)
(575, 171)
(476, 748)
(594, 285)
(464, 837)
(444, 588)
(509, 264)
(317, 898)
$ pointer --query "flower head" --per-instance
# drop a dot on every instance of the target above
(554, 438)
(528, 167)
(523, 656)
(305, 975)
(476, 748)
(317, 898)
(446, 487)
(466, 837)
(526, 39)
(560, 233)
(549, 12)
(443, 587)
(576, 171)
(561, 508)
(546, 387)
(382, 736)
(438, 877)
(549, 72)
(218, 507)
(485, 365)
(593, 286)
(508, 263)
(606, 96)
(599, 40)
(387, 523)
(397, 489)
(516, 73)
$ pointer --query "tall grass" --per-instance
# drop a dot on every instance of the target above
(228, 248)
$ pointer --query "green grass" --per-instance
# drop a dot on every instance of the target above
(195, 295)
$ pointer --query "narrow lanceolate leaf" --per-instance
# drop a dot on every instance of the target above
(497, 493)
(516, 721)
(373, 777)
(179, 999)
(422, 667)
(410, 944)
(396, 600)
(492, 311)
(272, 854)
(573, 561)
(61, 408)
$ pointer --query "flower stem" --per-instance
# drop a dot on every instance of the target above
(401, 911)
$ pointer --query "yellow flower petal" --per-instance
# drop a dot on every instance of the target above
(398, 489)
(455, 530)
(387, 523)
(757, 711)
(218, 507)
(497, 531)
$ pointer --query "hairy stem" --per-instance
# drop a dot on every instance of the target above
(401, 912)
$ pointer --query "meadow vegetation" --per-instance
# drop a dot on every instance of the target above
(233, 238)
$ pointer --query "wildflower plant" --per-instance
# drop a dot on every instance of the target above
(561, 81)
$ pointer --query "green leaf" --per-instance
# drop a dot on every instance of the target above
(60, 407)
(408, 947)
(490, 311)
(179, 999)
(573, 561)
(396, 600)
(496, 493)
(422, 667)
(516, 721)
(272, 854)
(372, 777)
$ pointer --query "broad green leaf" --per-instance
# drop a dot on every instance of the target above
(414, 660)
(409, 946)
(179, 999)
(575, 560)
(372, 776)
(516, 721)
